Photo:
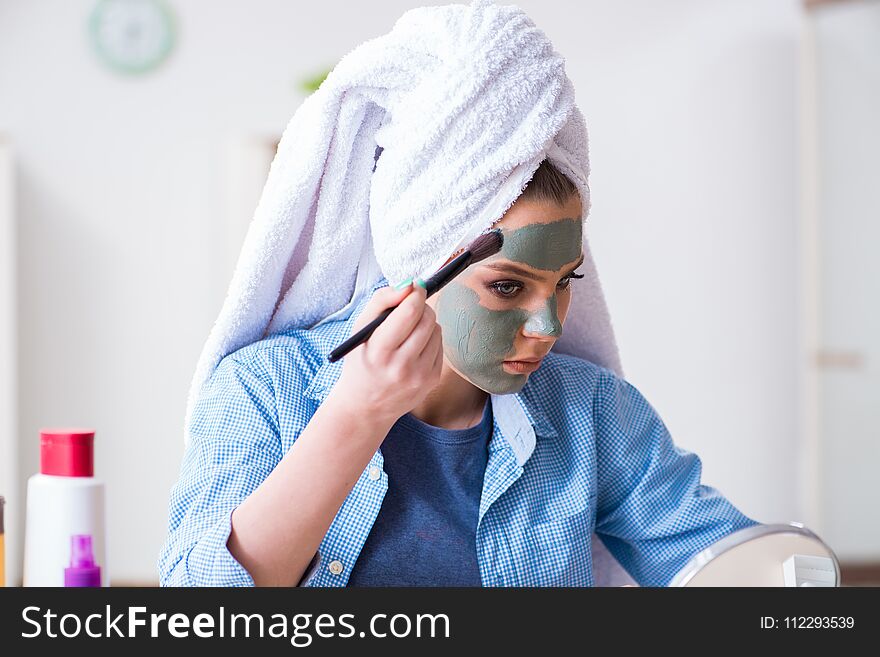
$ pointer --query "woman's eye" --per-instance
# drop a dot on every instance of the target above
(510, 289)
(505, 289)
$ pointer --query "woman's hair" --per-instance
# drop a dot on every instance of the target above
(549, 184)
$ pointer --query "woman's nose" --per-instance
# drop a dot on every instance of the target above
(544, 322)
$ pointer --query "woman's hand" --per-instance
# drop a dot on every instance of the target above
(395, 369)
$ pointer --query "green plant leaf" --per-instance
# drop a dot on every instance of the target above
(311, 84)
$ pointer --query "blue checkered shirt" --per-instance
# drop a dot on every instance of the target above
(577, 451)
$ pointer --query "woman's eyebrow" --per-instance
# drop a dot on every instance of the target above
(525, 273)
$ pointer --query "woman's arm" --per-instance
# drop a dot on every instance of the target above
(274, 534)
(234, 443)
(278, 528)
(653, 511)
(244, 513)
(241, 512)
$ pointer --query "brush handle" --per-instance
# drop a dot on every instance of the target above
(433, 285)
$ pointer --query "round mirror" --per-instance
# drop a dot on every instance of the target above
(763, 555)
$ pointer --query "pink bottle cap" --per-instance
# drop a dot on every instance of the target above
(67, 452)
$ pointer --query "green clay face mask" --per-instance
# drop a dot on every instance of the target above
(543, 246)
(478, 339)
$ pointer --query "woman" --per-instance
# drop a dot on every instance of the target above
(452, 448)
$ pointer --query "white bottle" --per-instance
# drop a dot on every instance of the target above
(64, 500)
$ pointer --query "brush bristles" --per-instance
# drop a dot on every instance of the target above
(486, 245)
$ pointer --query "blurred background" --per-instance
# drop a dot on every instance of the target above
(736, 199)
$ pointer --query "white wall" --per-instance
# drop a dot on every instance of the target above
(847, 52)
(9, 474)
(123, 265)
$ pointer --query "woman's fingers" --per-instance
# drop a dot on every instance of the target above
(418, 340)
(398, 326)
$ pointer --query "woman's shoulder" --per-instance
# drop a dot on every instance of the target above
(569, 390)
(566, 372)
(571, 380)
(564, 392)
(565, 380)
(292, 354)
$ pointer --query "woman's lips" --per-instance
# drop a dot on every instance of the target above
(522, 366)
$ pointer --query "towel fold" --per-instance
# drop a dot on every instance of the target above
(416, 143)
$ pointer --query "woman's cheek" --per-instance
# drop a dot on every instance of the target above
(477, 340)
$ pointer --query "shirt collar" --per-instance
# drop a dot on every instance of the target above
(520, 417)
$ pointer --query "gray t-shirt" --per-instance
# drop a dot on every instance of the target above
(426, 529)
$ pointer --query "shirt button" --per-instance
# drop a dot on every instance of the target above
(375, 473)
(335, 567)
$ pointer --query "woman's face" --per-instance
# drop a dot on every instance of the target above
(512, 305)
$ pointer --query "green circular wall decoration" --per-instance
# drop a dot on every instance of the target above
(132, 36)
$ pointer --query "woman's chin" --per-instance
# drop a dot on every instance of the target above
(505, 384)
(499, 381)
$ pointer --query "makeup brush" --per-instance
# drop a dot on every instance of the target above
(486, 245)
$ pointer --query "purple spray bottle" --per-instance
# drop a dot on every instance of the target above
(82, 570)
